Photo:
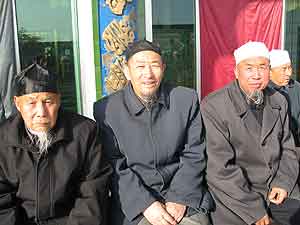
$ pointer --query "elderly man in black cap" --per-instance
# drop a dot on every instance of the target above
(51, 166)
(152, 132)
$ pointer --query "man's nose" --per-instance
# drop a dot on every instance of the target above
(148, 70)
(40, 109)
(288, 72)
(256, 73)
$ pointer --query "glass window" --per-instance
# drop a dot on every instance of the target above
(140, 20)
(174, 29)
(45, 31)
(292, 34)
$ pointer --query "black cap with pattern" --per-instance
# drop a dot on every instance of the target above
(35, 78)
(142, 45)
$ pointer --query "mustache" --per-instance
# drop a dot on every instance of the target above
(42, 121)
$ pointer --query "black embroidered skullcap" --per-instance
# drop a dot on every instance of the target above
(35, 78)
(142, 45)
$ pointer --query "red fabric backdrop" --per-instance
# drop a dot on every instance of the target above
(225, 25)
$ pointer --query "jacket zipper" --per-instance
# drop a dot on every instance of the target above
(37, 190)
(152, 141)
(51, 192)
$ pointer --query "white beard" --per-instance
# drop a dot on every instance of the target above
(41, 139)
(256, 97)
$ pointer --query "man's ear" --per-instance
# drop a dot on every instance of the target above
(271, 74)
(126, 71)
(164, 67)
(236, 72)
(59, 99)
(17, 102)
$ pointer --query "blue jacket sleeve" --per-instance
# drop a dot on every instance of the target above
(126, 186)
(188, 185)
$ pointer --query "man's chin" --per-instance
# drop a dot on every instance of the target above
(41, 129)
(150, 92)
(254, 90)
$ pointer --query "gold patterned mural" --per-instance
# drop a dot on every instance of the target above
(117, 36)
(117, 6)
(116, 79)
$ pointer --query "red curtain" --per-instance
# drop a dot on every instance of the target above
(224, 26)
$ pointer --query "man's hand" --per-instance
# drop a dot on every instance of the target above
(176, 210)
(277, 195)
(264, 221)
(156, 214)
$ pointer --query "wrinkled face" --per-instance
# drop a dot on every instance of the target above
(281, 75)
(253, 74)
(145, 71)
(39, 110)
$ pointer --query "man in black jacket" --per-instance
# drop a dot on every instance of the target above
(153, 135)
(280, 75)
(51, 165)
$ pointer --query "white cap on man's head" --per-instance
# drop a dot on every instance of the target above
(249, 50)
(279, 57)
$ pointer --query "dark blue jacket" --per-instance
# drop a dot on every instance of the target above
(157, 154)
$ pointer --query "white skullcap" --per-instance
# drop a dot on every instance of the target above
(249, 50)
(279, 57)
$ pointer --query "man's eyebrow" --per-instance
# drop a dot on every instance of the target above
(32, 97)
(140, 61)
(145, 61)
(253, 64)
(47, 97)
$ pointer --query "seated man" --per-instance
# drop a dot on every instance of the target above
(252, 162)
(152, 132)
(280, 75)
(51, 165)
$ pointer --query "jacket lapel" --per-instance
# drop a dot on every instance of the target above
(270, 116)
(237, 99)
(270, 113)
(252, 125)
(242, 109)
